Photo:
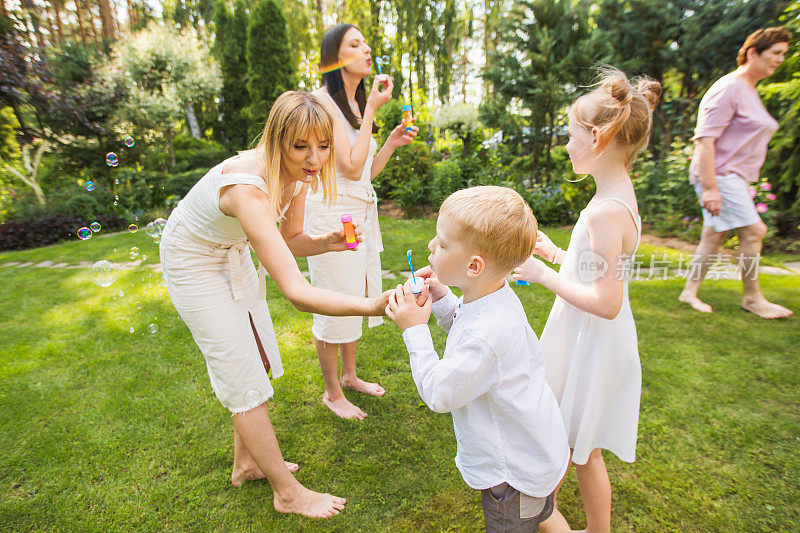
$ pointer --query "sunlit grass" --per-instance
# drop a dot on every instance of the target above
(104, 429)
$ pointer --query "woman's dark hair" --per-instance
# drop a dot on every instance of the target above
(761, 40)
(329, 56)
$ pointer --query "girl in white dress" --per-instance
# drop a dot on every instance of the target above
(589, 341)
(256, 199)
(346, 63)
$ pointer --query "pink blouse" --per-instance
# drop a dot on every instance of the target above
(732, 113)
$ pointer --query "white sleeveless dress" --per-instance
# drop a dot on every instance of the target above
(357, 273)
(592, 363)
(205, 258)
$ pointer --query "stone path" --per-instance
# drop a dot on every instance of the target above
(718, 271)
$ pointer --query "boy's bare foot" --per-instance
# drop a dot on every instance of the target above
(764, 308)
(309, 503)
(358, 384)
(695, 302)
(343, 408)
(250, 472)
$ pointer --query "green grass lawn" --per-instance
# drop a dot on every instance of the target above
(104, 429)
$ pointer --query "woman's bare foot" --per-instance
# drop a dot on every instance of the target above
(343, 408)
(308, 503)
(695, 302)
(764, 308)
(250, 472)
(358, 384)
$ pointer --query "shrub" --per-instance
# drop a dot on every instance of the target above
(548, 204)
(406, 177)
(445, 180)
(82, 206)
(50, 229)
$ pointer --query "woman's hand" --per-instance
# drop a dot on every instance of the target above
(337, 242)
(437, 289)
(545, 248)
(378, 97)
(532, 270)
(401, 137)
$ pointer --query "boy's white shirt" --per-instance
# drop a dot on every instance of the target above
(492, 378)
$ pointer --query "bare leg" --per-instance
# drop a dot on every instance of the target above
(333, 398)
(289, 496)
(244, 466)
(595, 493)
(710, 241)
(556, 523)
(349, 379)
(750, 242)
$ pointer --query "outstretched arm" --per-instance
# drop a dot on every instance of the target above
(603, 266)
(250, 205)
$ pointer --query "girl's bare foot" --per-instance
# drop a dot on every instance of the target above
(358, 384)
(764, 308)
(695, 302)
(308, 503)
(250, 472)
(343, 408)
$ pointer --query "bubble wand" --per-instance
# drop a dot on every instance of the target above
(416, 285)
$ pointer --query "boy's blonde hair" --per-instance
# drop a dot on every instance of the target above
(496, 222)
(295, 115)
(620, 110)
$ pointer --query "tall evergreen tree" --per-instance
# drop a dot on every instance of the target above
(229, 48)
(270, 70)
(549, 54)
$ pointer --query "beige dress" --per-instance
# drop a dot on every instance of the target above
(214, 286)
(357, 273)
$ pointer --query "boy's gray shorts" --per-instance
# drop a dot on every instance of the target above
(514, 512)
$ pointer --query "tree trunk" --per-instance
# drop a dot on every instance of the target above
(33, 14)
(79, 15)
(56, 6)
(171, 148)
(194, 128)
(107, 19)
(90, 17)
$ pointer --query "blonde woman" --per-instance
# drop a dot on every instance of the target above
(256, 199)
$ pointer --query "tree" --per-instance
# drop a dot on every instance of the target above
(782, 95)
(547, 55)
(165, 74)
(270, 71)
(229, 48)
(461, 119)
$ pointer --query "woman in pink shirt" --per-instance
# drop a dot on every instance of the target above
(731, 138)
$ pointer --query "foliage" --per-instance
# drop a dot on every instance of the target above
(460, 119)
(229, 48)
(782, 94)
(37, 232)
(270, 70)
(406, 177)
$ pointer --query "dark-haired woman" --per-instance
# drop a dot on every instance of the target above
(346, 63)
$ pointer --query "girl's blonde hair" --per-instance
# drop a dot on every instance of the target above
(621, 111)
(295, 115)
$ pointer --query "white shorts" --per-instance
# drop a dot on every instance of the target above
(737, 209)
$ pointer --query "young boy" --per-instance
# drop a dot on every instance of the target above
(511, 442)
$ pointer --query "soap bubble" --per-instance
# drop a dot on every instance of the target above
(121, 294)
(157, 239)
(160, 222)
(385, 59)
(153, 328)
(104, 273)
(116, 182)
(152, 230)
(95, 226)
(138, 305)
(134, 252)
(89, 186)
(252, 398)
(128, 140)
(130, 329)
(133, 228)
(143, 258)
(111, 159)
(84, 233)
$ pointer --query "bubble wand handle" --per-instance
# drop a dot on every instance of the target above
(410, 265)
